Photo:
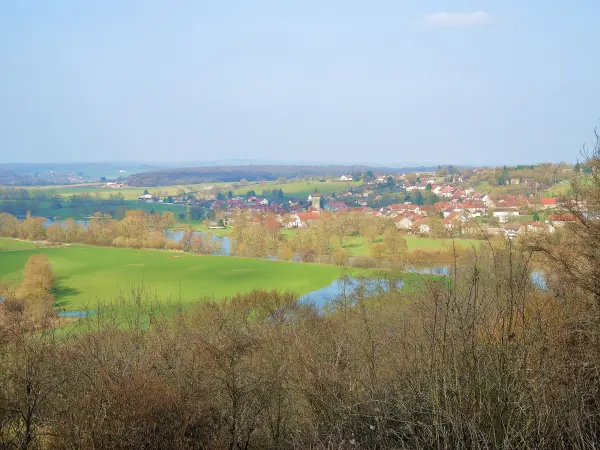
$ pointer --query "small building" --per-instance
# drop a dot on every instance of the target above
(145, 198)
(406, 221)
(505, 214)
(548, 203)
(336, 206)
(422, 226)
(511, 230)
(560, 220)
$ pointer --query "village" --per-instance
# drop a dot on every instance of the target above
(425, 204)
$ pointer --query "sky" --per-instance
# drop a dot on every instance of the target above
(318, 81)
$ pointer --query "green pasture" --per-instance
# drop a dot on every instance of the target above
(359, 246)
(7, 244)
(131, 193)
(89, 274)
(560, 189)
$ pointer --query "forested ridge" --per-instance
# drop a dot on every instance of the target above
(251, 173)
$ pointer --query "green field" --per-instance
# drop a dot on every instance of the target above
(15, 244)
(87, 274)
(563, 188)
(128, 193)
(359, 246)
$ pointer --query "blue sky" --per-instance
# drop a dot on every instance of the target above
(379, 81)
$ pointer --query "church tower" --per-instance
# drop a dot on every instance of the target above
(316, 200)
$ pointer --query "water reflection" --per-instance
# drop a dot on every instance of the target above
(346, 287)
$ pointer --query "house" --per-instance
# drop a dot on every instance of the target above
(406, 221)
(458, 194)
(455, 220)
(346, 178)
(548, 203)
(145, 197)
(511, 230)
(336, 206)
(302, 219)
(421, 226)
(539, 227)
(399, 208)
(440, 206)
(475, 208)
(505, 214)
(446, 192)
(560, 220)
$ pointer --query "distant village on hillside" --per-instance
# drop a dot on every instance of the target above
(448, 202)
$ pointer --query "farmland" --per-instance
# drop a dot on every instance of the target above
(15, 244)
(87, 274)
(300, 189)
(563, 188)
(104, 192)
(358, 246)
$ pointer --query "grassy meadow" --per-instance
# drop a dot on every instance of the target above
(131, 193)
(298, 189)
(7, 244)
(87, 274)
(559, 189)
(359, 246)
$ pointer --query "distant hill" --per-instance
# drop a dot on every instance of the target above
(8, 177)
(253, 173)
(40, 174)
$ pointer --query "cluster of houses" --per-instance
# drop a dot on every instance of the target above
(116, 185)
(252, 203)
(461, 213)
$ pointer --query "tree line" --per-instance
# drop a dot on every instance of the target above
(138, 229)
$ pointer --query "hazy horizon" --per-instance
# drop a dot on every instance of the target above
(386, 83)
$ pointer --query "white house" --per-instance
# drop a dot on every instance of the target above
(421, 226)
(504, 215)
(295, 222)
(346, 178)
(538, 227)
(405, 221)
(511, 230)
(145, 197)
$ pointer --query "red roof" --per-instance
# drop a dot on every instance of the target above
(441, 205)
(304, 216)
(337, 205)
(410, 216)
(562, 218)
(472, 205)
(403, 207)
(548, 201)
